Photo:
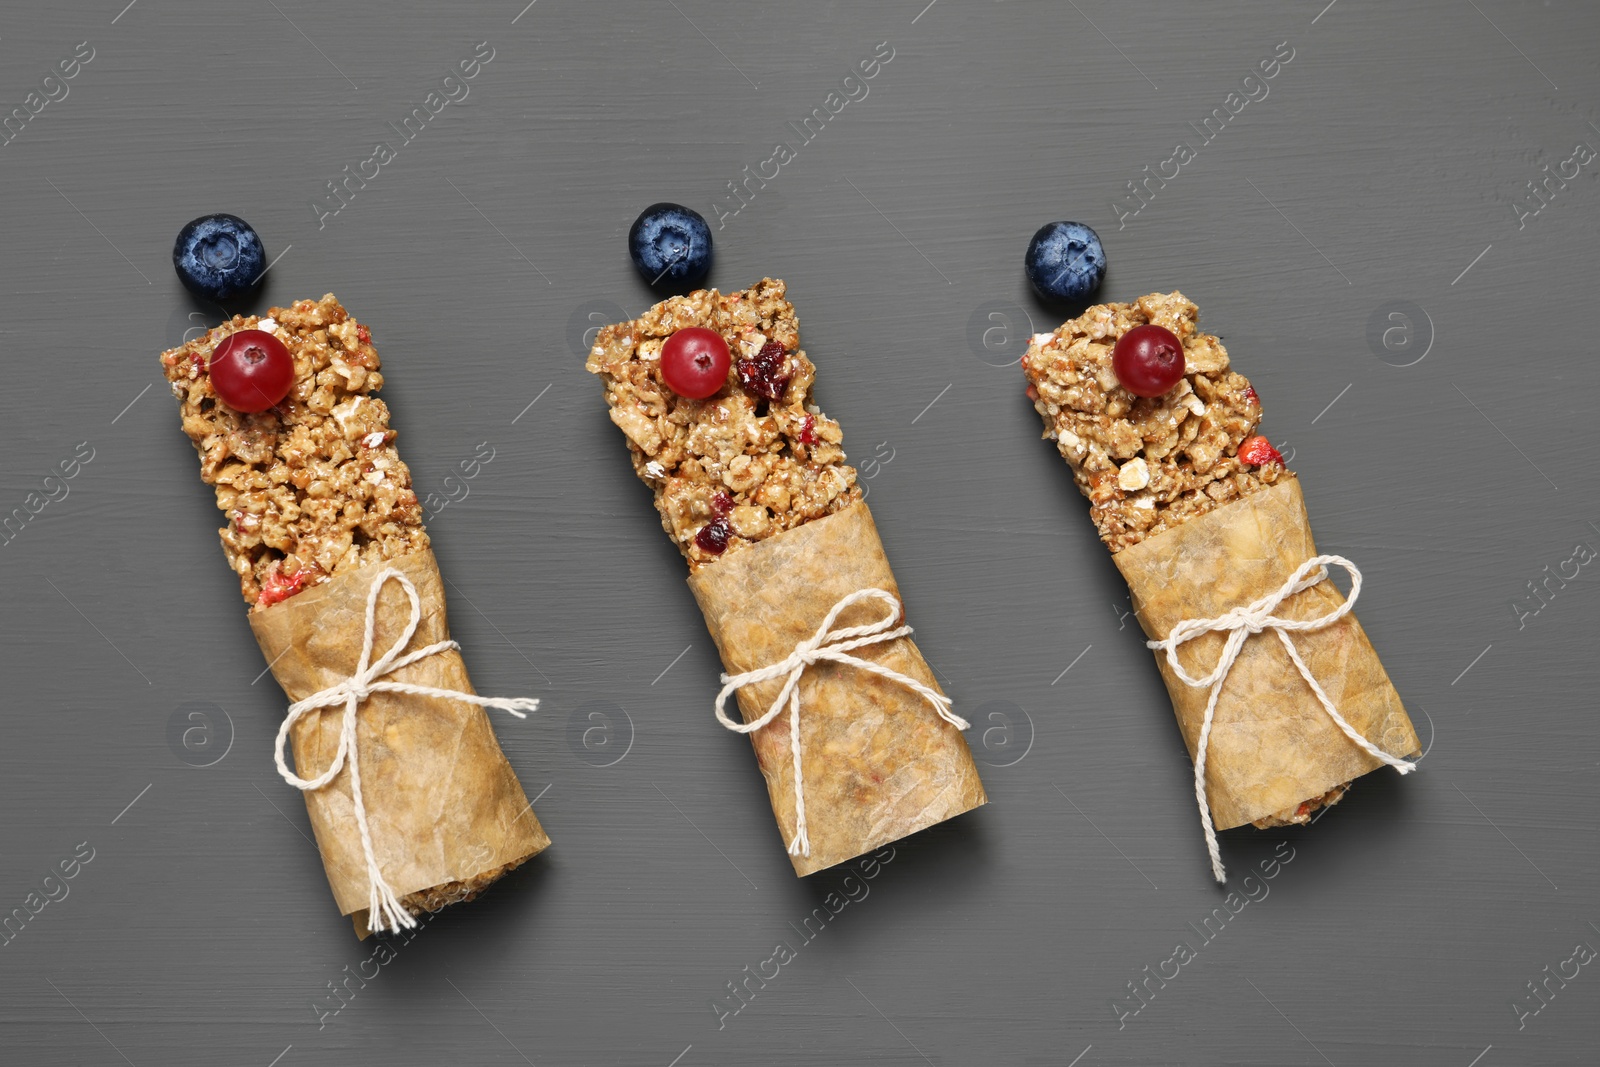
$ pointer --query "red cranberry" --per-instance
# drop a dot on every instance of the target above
(1258, 452)
(1250, 395)
(713, 536)
(766, 373)
(251, 370)
(808, 431)
(721, 503)
(1148, 360)
(694, 362)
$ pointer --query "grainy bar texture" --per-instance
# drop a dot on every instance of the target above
(314, 490)
(313, 487)
(1302, 812)
(762, 464)
(1146, 464)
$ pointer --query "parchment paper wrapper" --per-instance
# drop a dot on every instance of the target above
(1272, 745)
(446, 811)
(879, 762)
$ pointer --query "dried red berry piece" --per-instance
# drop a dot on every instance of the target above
(808, 431)
(721, 503)
(1250, 394)
(713, 536)
(767, 372)
(278, 587)
(1258, 452)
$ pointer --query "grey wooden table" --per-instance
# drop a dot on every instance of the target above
(1359, 228)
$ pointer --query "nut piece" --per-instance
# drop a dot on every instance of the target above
(1134, 475)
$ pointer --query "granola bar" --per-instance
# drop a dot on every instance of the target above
(1146, 464)
(1151, 464)
(753, 487)
(314, 486)
(314, 490)
(762, 465)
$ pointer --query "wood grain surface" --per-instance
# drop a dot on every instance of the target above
(1360, 229)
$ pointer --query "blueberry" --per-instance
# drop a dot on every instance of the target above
(219, 257)
(671, 245)
(1065, 261)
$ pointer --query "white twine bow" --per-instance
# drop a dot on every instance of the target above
(384, 911)
(1239, 624)
(832, 645)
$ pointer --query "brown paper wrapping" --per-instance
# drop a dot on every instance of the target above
(1272, 744)
(445, 809)
(879, 762)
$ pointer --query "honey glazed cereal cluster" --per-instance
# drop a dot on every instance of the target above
(753, 459)
(313, 486)
(1146, 464)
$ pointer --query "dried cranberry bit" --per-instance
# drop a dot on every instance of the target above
(364, 334)
(1250, 394)
(766, 373)
(1258, 452)
(808, 431)
(278, 587)
(713, 536)
(721, 504)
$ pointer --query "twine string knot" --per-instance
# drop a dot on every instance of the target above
(384, 912)
(1240, 624)
(833, 646)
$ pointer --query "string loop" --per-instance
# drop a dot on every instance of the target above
(833, 646)
(384, 912)
(1239, 624)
